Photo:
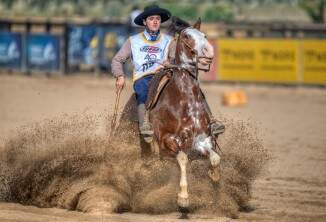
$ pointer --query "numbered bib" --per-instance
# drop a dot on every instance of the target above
(147, 56)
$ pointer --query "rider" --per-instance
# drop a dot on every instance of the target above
(149, 50)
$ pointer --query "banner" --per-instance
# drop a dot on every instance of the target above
(10, 50)
(80, 49)
(314, 61)
(43, 52)
(262, 60)
(111, 40)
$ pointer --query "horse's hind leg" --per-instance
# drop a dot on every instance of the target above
(215, 159)
(183, 197)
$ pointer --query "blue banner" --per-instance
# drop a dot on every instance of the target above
(10, 50)
(82, 45)
(111, 40)
(43, 52)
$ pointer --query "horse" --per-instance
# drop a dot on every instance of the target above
(180, 114)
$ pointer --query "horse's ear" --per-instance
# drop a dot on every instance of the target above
(197, 24)
(177, 25)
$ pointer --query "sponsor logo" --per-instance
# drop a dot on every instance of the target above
(150, 49)
(150, 57)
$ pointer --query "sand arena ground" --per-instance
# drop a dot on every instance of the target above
(291, 122)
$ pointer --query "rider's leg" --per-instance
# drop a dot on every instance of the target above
(144, 124)
(141, 90)
(217, 127)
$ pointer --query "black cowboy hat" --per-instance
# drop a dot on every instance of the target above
(152, 10)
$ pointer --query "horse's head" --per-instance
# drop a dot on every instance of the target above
(192, 46)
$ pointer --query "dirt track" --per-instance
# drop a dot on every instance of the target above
(291, 123)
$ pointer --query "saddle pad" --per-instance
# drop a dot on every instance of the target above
(157, 84)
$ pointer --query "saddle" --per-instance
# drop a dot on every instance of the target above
(156, 86)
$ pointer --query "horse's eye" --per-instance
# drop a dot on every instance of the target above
(186, 36)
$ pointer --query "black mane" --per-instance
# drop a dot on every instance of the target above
(177, 25)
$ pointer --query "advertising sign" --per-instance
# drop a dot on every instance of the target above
(10, 50)
(111, 40)
(264, 60)
(314, 61)
(43, 52)
(82, 48)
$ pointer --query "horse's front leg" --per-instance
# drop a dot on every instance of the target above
(215, 160)
(183, 197)
(204, 145)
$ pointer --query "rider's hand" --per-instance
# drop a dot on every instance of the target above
(166, 63)
(120, 83)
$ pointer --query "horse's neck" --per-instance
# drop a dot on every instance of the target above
(177, 54)
(184, 81)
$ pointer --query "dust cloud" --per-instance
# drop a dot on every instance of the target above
(67, 162)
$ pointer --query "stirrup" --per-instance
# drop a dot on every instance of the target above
(217, 127)
(146, 132)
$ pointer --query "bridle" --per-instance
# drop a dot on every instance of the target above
(193, 51)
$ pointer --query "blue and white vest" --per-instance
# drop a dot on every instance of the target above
(147, 56)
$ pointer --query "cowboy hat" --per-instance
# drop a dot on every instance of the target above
(152, 10)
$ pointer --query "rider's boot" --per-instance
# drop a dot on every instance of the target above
(145, 126)
(217, 127)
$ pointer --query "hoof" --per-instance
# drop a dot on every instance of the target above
(247, 209)
(148, 139)
(184, 212)
(214, 175)
(183, 202)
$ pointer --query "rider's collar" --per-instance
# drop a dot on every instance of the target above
(151, 36)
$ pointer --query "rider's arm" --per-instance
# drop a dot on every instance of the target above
(120, 58)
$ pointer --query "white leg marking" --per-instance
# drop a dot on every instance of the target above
(183, 200)
(214, 158)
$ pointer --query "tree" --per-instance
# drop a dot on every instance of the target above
(315, 9)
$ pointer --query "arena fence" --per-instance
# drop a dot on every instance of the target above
(293, 56)
(59, 46)
(286, 61)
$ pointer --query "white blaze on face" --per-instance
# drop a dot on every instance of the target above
(200, 40)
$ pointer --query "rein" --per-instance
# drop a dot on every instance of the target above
(195, 64)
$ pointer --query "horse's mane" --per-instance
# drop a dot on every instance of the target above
(177, 25)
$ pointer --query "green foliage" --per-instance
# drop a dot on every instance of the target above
(184, 11)
(114, 9)
(213, 13)
(315, 9)
(208, 10)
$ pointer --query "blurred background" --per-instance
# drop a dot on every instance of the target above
(208, 10)
(267, 82)
(278, 41)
